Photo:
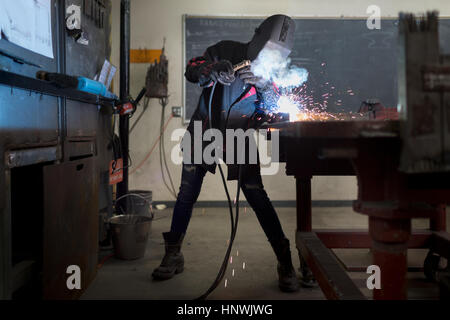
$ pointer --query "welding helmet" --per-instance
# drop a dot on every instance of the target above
(276, 32)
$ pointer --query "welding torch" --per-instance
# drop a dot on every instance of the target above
(237, 67)
(241, 65)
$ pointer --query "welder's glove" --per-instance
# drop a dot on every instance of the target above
(246, 75)
(221, 71)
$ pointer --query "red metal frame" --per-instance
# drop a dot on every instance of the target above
(394, 283)
(360, 238)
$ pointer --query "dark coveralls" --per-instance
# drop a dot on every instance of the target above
(244, 114)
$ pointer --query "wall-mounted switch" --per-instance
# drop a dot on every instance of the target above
(176, 112)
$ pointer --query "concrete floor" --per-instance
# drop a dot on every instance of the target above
(204, 248)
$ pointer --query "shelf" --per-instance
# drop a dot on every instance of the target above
(47, 88)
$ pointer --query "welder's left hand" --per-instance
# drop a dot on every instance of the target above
(246, 75)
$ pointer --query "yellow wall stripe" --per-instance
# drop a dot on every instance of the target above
(144, 55)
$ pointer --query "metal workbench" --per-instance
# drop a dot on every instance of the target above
(55, 149)
(369, 149)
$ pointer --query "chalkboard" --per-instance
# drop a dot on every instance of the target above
(347, 62)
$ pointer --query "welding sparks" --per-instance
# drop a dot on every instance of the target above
(301, 105)
(292, 105)
(232, 273)
(226, 282)
(287, 105)
(243, 265)
(293, 96)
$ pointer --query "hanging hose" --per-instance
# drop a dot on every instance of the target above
(146, 103)
(224, 266)
(162, 153)
(234, 222)
(153, 147)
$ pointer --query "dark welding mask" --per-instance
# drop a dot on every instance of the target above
(276, 33)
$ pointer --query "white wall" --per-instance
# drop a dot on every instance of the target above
(152, 20)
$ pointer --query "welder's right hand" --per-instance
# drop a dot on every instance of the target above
(221, 71)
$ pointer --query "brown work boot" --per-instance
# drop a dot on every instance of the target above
(173, 261)
(287, 278)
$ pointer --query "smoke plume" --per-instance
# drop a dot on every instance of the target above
(271, 66)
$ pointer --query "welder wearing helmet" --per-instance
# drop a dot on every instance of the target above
(234, 105)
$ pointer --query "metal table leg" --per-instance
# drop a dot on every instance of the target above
(304, 224)
(390, 243)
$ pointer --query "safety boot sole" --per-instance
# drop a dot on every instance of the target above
(157, 275)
